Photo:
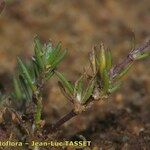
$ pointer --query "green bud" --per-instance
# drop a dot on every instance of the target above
(102, 59)
(93, 62)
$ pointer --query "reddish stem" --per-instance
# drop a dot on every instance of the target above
(61, 121)
(115, 71)
(129, 59)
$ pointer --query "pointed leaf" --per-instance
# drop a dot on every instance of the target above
(93, 62)
(18, 91)
(124, 72)
(78, 90)
(108, 59)
(26, 74)
(54, 53)
(64, 92)
(49, 75)
(25, 88)
(88, 91)
(79, 86)
(48, 50)
(102, 59)
(65, 83)
(59, 59)
(142, 56)
(38, 53)
(35, 68)
(114, 87)
(106, 81)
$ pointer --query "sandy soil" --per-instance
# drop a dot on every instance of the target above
(120, 123)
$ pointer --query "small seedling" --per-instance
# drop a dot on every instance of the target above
(103, 81)
(30, 78)
(24, 105)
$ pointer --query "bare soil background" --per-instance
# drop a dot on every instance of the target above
(123, 121)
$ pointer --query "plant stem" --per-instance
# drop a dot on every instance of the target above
(69, 116)
(129, 59)
(62, 120)
(114, 71)
(38, 111)
(37, 99)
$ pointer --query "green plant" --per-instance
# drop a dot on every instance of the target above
(103, 80)
(25, 103)
(30, 78)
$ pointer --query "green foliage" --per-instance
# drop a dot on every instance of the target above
(106, 81)
(123, 72)
(142, 56)
(26, 91)
(108, 59)
(88, 91)
(65, 83)
(44, 65)
(24, 72)
(78, 91)
(47, 58)
(17, 88)
(82, 91)
(114, 87)
(101, 61)
(30, 77)
(38, 50)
